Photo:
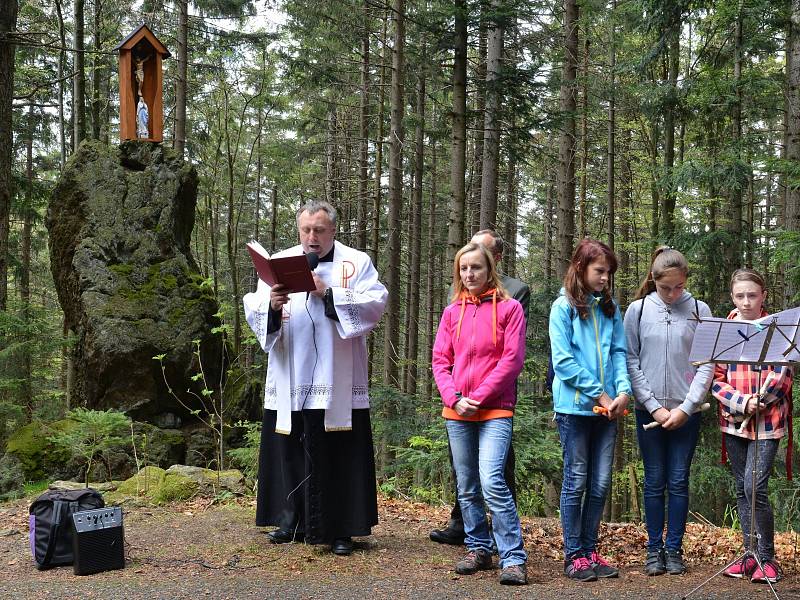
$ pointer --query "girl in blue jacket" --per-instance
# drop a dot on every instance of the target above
(590, 390)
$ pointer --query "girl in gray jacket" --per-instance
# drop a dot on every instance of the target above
(669, 390)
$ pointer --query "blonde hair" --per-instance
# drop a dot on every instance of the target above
(492, 280)
(664, 259)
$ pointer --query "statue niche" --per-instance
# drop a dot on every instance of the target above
(141, 105)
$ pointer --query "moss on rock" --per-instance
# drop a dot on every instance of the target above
(38, 457)
(176, 487)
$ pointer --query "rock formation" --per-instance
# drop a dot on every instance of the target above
(120, 221)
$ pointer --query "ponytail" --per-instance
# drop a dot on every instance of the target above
(664, 259)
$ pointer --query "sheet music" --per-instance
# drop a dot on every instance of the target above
(769, 340)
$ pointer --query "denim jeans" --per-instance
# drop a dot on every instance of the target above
(587, 445)
(741, 452)
(479, 457)
(667, 457)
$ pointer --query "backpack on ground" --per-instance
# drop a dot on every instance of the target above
(51, 527)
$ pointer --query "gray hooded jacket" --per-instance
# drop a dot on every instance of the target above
(658, 354)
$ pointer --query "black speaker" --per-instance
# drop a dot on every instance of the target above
(98, 540)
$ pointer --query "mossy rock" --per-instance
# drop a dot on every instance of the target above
(39, 458)
(146, 482)
(176, 487)
(141, 488)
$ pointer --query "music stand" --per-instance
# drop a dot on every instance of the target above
(769, 341)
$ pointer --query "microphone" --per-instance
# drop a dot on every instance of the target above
(313, 261)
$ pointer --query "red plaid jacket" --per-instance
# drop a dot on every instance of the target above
(732, 383)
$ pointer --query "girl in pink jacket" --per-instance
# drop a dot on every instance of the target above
(478, 354)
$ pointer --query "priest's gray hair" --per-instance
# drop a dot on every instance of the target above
(314, 206)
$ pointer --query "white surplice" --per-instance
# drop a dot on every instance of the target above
(314, 361)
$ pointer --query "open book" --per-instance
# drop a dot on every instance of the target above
(291, 271)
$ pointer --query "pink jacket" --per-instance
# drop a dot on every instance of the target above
(470, 363)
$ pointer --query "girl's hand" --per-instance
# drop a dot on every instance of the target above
(466, 407)
(661, 415)
(677, 418)
(752, 402)
(617, 408)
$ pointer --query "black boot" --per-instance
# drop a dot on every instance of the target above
(453, 534)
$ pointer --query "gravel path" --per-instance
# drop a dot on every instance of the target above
(209, 551)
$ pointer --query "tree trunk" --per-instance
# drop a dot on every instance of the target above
(455, 230)
(26, 393)
(62, 88)
(583, 229)
(431, 273)
(491, 124)
(415, 241)
(476, 179)
(97, 68)
(363, 135)
(612, 124)
(376, 203)
(792, 129)
(668, 212)
(566, 146)
(8, 23)
(182, 77)
(79, 80)
(734, 245)
(396, 135)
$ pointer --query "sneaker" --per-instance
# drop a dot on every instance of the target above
(474, 561)
(601, 567)
(673, 561)
(654, 565)
(514, 575)
(580, 569)
(771, 572)
(744, 567)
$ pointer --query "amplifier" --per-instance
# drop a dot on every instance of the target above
(98, 540)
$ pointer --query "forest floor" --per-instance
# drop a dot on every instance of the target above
(201, 549)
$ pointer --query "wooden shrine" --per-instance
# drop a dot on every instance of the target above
(141, 86)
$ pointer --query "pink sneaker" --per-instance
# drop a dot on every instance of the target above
(743, 567)
(771, 572)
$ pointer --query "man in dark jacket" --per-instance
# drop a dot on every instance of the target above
(453, 533)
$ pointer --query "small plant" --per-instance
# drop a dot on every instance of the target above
(246, 457)
(95, 433)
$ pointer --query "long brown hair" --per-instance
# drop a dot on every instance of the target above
(587, 251)
(492, 280)
(664, 259)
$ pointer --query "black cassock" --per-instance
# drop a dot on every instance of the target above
(316, 482)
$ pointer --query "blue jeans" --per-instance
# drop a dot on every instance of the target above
(587, 444)
(667, 457)
(479, 457)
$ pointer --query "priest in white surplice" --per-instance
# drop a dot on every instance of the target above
(316, 476)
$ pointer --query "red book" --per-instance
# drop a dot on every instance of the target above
(291, 271)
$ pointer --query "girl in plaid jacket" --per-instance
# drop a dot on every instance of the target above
(738, 387)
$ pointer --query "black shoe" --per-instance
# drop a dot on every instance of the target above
(342, 546)
(284, 536)
(673, 561)
(579, 569)
(453, 534)
(654, 565)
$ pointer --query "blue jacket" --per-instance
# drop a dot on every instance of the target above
(589, 356)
